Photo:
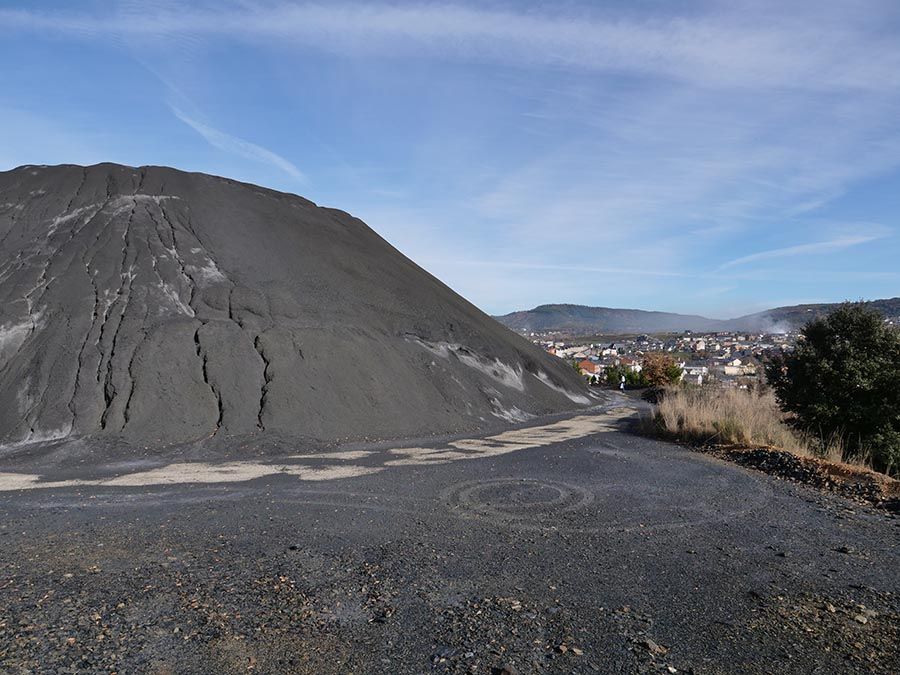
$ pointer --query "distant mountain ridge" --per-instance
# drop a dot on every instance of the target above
(586, 320)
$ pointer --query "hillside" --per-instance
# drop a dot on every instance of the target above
(160, 306)
(795, 316)
(579, 319)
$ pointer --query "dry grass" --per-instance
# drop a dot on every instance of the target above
(751, 430)
(734, 417)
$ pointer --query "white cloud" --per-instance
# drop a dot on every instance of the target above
(634, 142)
(590, 269)
(827, 246)
(737, 48)
(238, 146)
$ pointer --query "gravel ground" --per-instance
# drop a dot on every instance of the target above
(610, 553)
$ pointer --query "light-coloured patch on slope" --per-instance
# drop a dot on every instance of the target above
(210, 272)
(12, 335)
(156, 199)
(125, 203)
(37, 435)
(512, 414)
(132, 200)
(496, 369)
(178, 304)
(576, 398)
(207, 270)
(91, 209)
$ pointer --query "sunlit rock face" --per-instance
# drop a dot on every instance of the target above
(163, 306)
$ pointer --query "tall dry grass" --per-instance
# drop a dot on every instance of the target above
(735, 417)
(725, 416)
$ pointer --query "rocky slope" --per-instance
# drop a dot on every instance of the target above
(161, 306)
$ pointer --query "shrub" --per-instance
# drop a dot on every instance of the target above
(843, 380)
(660, 370)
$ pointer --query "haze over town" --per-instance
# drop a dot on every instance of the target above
(706, 157)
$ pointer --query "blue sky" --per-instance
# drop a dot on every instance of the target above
(710, 157)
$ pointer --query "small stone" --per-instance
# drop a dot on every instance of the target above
(576, 651)
(672, 669)
(861, 618)
(831, 608)
(444, 653)
(653, 647)
(562, 649)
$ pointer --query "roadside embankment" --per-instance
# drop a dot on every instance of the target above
(750, 430)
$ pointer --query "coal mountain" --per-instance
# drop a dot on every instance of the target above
(158, 306)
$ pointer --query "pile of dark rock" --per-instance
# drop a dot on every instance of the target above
(856, 484)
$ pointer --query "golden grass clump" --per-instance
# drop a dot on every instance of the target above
(737, 418)
(727, 417)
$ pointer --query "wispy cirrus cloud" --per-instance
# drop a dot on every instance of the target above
(591, 269)
(724, 48)
(624, 153)
(238, 146)
(832, 245)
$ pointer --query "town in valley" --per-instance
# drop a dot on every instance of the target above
(732, 359)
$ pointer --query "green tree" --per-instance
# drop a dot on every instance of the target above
(844, 379)
(633, 380)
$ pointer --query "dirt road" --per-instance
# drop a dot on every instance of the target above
(567, 546)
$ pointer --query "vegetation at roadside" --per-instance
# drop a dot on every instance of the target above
(748, 427)
(660, 370)
(657, 370)
(843, 381)
(837, 396)
(633, 380)
(728, 417)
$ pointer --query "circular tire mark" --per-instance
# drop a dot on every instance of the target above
(517, 500)
(541, 505)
